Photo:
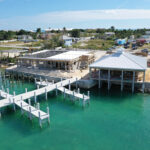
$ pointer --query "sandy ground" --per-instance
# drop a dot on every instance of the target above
(147, 76)
(147, 79)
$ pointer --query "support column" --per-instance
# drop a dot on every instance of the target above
(90, 73)
(133, 81)
(108, 79)
(99, 80)
(122, 81)
(143, 85)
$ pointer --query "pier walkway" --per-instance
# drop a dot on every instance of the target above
(19, 99)
(32, 111)
(76, 95)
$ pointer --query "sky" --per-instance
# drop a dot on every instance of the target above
(32, 14)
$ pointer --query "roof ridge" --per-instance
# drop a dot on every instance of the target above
(132, 60)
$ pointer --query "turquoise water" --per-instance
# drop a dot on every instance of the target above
(113, 121)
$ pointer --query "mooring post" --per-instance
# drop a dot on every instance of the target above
(37, 86)
(35, 80)
(69, 85)
(76, 83)
(89, 97)
(9, 100)
(14, 104)
(29, 101)
(26, 90)
(83, 102)
(46, 82)
(53, 81)
(78, 90)
(40, 123)
(2, 88)
(56, 90)
(7, 90)
(48, 119)
(14, 93)
(30, 115)
(40, 81)
(64, 93)
(61, 81)
(35, 100)
(0, 114)
(21, 108)
(46, 93)
(38, 106)
(73, 96)
(21, 98)
(88, 94)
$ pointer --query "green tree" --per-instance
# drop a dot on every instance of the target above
(38, 30)
(75, 33)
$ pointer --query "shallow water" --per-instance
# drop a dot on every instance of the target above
(113, 121)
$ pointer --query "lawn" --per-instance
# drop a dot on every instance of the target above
(7, 48)
(95, 44)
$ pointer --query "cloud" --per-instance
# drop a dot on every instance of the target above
(64, 17)
(113, 14)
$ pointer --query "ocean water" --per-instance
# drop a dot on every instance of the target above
(113, 121)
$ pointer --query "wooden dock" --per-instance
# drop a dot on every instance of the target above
(36, 112)
(27, 107)
(75, 95)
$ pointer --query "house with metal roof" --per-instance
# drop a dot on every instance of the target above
(120, 67)
(58, 60)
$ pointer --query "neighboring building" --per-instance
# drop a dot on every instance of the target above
(47, 35)
(141, 41)
(147, 32)
(57, 60)
(109, 34)
(11, 53)
(25, 38)
(121, 41)
(119, 68)
(131, 39)
(68, 40)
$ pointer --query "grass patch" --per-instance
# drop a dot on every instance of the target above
(8, 48)
(95, 44)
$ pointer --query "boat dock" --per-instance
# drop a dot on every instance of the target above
(19, 100)
(65, 91)
(27, 107)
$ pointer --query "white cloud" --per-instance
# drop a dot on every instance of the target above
(63, 17)
(113, 14)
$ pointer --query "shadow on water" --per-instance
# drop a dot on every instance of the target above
(21, 122)
(114, 95)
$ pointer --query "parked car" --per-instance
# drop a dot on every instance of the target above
(144, 50)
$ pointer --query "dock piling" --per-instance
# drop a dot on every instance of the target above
(64, 93)
(48, 119)
(40, 123)
(38, 106)
(76, 83)
(29, 101)
(35, 99)
(21, 108)
(56, 90)
(30, 115)
(14, 106)
(45, 93)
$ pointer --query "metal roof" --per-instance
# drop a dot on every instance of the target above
(70, 55)
(121, 61)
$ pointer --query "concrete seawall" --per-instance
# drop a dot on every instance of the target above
(82, 83)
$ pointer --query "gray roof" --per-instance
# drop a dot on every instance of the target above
(13, 51)
(121, 61)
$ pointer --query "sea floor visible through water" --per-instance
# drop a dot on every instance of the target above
(113, 121)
